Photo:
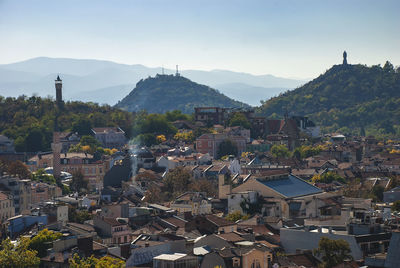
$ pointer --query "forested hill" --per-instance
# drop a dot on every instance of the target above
(29, 121)
(168, 92)
(347, 98)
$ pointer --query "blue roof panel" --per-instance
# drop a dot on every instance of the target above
(291, 186)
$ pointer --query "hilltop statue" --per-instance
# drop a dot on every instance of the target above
(344, 58)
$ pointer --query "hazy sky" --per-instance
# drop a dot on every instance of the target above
(286, 38)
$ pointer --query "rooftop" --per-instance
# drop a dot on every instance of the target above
(290, 186)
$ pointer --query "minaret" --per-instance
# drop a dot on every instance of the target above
(56, 145)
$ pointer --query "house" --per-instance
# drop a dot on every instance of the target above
(209, 224)
(67, 139)
(236, 200)
(391, 195)
(145, 247)
(194, 202)
(120, 171)
(175, 260)
(57, 214)
(284, 187)
(144, 158)
(211, 115)
(110, 137)
(209, 143)
(93, 169)
(6, 145)
(283, 132)
(20, 190)
(112, 230)
(307, 126)
(41, 192)
(6, 206)
(247, 254)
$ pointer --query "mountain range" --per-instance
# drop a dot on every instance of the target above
(94, 80)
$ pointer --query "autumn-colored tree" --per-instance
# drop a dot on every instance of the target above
(161, 138)
(92, 262)
(19, 169)
(184, 136)
(235, 216)
(79, 183)
(153, 194)
(18, 255)
(327, 177)
(204, 185)
(40, 241)
(177, 181)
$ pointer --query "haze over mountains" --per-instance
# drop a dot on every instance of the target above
(108, 82)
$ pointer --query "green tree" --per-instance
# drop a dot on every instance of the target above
(90, 141)
(82, 126)
(175, 115)
(280, 151)
(377, 193)
(78, 216)
(92, 262)
(396, 205)
(333, 252)
(239, 119)
(18, 255)
(42, 176)
(40, 242)
(227, 147)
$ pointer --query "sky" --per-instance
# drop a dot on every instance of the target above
(287, 38)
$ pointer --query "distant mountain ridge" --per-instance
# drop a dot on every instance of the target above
(346, 98)
(164, 93)
(93, 80)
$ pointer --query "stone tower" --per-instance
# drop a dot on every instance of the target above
(56, 145)
(58, 90)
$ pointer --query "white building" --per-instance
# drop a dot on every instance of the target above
(236, 199)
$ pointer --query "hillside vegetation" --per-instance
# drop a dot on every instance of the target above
(352, 99)
(29, 121)
(167, 92)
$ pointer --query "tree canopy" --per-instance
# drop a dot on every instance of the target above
(39, 242)
(280, 151)
(227, 147)
(348, 99)
(29, 121)
(239, 119)
(18, 255)
(333, 252)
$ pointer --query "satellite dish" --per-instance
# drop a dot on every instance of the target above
(275, 265)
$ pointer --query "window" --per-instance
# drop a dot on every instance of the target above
(256, 264)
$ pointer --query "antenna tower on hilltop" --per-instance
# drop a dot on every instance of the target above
(177, 72)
